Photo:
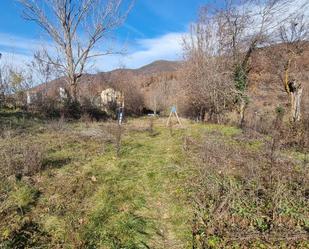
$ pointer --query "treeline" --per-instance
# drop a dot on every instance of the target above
(219, 54)
(213, 81)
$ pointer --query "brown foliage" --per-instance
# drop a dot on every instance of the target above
(247, 195)
(21, 159)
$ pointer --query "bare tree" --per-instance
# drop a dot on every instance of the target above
(241, 27)
(75, 27)
(248, 27)
(42, 70)
(294, 36)
(207, 79)
(163, 93)
(131, 93)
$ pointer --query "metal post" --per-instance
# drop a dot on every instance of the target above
(120, 110)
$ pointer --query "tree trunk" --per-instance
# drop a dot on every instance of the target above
(296, 103)
(286, 76)
(242, 108)
(73, 88)
(202, 114)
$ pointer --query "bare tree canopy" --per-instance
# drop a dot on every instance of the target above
(294, 36)
(233, 32)
(76, 27)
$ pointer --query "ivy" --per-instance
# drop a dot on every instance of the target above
(240, 78)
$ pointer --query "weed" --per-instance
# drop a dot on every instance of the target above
(20, 158)
(20, 199)
(240, 193)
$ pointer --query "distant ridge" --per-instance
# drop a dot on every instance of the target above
(159, 66)
(101, 78)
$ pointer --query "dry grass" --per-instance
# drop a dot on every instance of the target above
(248, 194)
(90, 189)
(20, 158)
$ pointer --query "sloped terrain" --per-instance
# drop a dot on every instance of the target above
(266, 90)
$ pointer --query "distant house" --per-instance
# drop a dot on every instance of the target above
(63, 94)
(110, 96)
(32, 96)
(111, 99)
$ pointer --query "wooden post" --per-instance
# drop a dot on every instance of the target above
(178, 118)
(173, 112)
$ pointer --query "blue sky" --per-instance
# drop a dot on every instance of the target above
(152, 31)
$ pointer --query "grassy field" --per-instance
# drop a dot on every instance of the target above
(91, 185)
(88, 196)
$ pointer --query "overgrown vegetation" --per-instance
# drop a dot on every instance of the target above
(90, 192)
(73, 177)
(207, 186)
(248, 193)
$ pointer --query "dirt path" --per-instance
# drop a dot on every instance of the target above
(162, 179)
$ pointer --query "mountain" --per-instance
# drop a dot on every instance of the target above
(159, 67)
(103, 79)
(91, 85)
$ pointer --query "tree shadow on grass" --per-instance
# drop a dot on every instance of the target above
(29, 235)
(55, 163)
(16, 119)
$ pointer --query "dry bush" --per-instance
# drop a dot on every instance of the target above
(56, 124)
(48, 107)
(20, 159)
(297, 135)
(207, 80)
(246, 194)
(91, 112)
(116, 131)
(262, 123)
(99, 134)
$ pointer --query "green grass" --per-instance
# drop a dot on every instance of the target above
(87, 196)
(142, 201)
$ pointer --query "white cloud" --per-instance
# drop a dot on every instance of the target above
(166, 47)
(16, 44)
(15, 59)
(19, 50)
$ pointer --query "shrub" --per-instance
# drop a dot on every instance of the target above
(71, 109)
(247, 192)
(91, 111)
(48, 108)
(20, 159)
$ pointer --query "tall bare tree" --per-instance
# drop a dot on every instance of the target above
(75, 27)
(295, 37)
(207, 79)
(241, 27)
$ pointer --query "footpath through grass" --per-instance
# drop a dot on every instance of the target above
(88, 197)
(141, 194)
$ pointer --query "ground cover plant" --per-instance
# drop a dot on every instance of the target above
(190, 186)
